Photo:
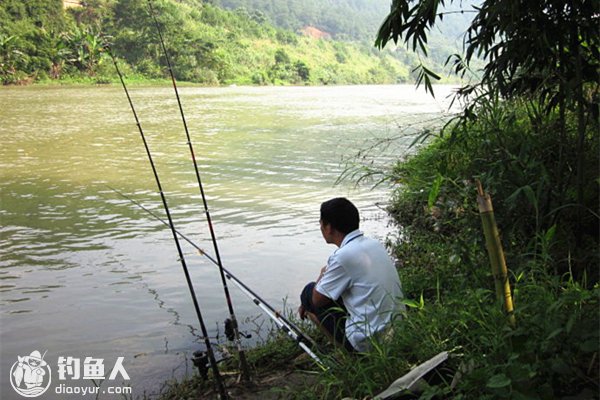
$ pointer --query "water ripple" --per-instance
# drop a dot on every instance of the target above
(84, 260)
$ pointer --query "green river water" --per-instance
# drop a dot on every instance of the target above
(84, 272)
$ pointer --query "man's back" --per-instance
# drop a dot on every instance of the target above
(362, 274)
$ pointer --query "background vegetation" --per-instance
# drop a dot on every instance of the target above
(358, 21)
(41, 41)
(530, 133)
(343, 19)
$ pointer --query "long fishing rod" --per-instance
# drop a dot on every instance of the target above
(245, 371)
(283, 323)
(209, 350)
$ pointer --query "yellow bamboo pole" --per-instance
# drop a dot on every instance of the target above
(495, 252)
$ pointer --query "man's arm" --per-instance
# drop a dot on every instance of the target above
(319, 299)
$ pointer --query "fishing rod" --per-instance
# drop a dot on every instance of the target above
(209, 350)
(291, 329)
(245, 371)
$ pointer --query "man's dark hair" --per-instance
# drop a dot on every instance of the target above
(341, 214)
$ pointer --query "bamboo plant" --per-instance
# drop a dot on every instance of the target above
(495, 252)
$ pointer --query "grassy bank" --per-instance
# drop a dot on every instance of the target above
(551, 250)
(525, 162)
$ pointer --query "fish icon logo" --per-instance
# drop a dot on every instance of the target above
(30, 375)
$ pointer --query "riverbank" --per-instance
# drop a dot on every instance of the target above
(143, 81)
(109, 77)
(279, 369)
(552, 348)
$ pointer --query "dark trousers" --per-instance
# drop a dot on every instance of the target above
(332, 317)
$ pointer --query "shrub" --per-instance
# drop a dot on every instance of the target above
(518, 155)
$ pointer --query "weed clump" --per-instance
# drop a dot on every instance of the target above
(524, 160)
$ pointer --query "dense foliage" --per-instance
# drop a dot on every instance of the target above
(530, 134)
(512, 149)
(355, 19)
(39, 41)
(358, 20)
(29, 37)
(548, 52)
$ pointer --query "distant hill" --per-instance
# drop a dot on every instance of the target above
(260, 42)
(357, 20)
(43, 40)
(342, 19)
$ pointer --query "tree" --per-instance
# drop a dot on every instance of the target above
(86, 49)
(11, 59)
(545, 50)
(549, 48)
(302, 70)
(47, 14)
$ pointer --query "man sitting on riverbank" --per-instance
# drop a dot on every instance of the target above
(357, 293)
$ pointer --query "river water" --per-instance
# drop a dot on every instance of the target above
(85, 273)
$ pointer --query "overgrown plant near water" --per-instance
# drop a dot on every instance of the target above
(552, 351)
(554, 348)
(529, 133)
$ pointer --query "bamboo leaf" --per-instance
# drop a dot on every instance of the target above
(434, 191)
(421, 137)
(410, 303)
(550, 233)
(428, 85)
(529, 193)
(432, 74)
(498, 381)
(555, 333)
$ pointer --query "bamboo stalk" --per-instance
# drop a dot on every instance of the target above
(495, 252)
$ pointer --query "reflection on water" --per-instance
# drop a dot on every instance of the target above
(84, 272)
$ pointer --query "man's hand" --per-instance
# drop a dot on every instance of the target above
(302, 312)
(322, 272)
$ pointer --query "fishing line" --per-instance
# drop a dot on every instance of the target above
(245, 371)
(209, 350)
(291, 329)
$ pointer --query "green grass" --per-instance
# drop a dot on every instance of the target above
(552, 351)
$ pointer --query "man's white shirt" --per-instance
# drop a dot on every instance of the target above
(362, 274)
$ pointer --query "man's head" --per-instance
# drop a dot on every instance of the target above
(339, 214)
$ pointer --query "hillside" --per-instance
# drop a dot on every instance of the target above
(45, 40)
(343, 19)
(359, 21)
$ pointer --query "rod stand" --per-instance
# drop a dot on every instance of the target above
(200, 361)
